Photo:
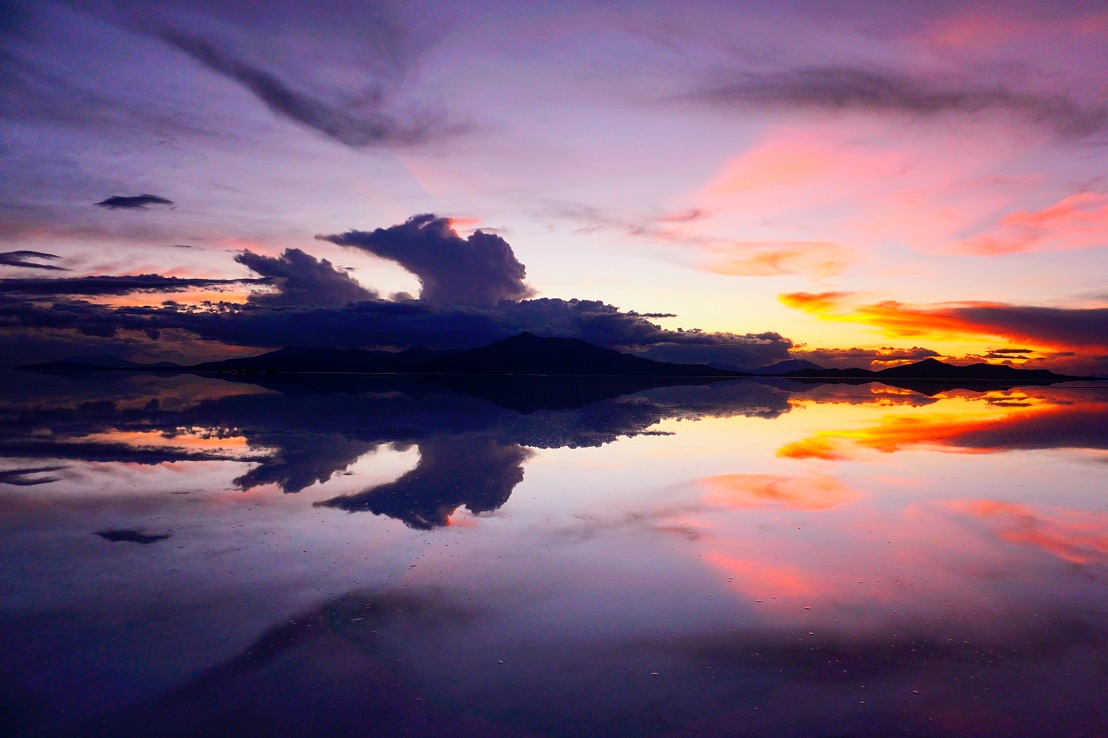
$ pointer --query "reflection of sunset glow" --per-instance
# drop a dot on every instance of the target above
(757, 578)
(813, 492)
(942, 424)
(1079, 542)
(193, 439)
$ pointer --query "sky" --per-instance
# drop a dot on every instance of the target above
(853, 183)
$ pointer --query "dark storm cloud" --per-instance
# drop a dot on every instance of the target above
(112, 285)
(24, 259)
(479, 270)
(134, 202)
(380, 323)
(859, 88)
(472, 295)
(301, 279)
(361, 124)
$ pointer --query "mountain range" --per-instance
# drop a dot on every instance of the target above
(528, 354)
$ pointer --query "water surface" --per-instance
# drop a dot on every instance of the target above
(190, 555)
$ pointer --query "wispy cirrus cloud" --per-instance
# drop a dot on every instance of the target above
(368, 119)
(1077, 221)
(846, 87)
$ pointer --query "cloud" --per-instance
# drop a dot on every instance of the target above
(1077, 221)
(844, 87)
(478, 473)
(879, 358)
(301, 279)
(479, 270)
(112, 285)
(23, 259)
(812, 492)
(361, 124)
(132, 536)
(1079, 329)
(1079, 541)
(771, 259)
(26, 477)
(135, 202)
(472, 295)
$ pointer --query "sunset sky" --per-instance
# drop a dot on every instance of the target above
(854, 183)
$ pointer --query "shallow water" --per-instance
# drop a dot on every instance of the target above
(187, 555)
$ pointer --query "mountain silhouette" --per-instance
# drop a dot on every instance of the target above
(522, 354)
(530, 354)
(933, 369)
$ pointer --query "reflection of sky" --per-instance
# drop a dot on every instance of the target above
(944, 590)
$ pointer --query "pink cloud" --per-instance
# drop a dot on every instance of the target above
(1078, 221)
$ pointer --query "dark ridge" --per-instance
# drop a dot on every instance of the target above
(530, 354)
(932, 369)
(522, 354)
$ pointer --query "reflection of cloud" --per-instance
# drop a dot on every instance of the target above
(133, 202)
(1081, 542)
(132, 536)
(478, 473)
(988, 423)
(28, 477)
(812, 492)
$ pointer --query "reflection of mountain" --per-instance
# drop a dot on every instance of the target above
(917, 376)
(472, 435)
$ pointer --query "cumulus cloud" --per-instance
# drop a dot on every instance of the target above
(132, 202)
(472, 295)
(479, 270)
(26, 259)
(301, 279)
(361, 124)
(844, 87)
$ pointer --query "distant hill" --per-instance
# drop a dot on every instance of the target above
(784, 367)
(300, 359)
(530, 354)
(932, 369)
(525, 354)
(98, 362)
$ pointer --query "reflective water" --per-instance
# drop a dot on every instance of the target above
(194, 556)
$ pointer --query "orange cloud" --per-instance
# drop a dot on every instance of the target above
(1082, 329)
(812, 492)
(766, 259)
